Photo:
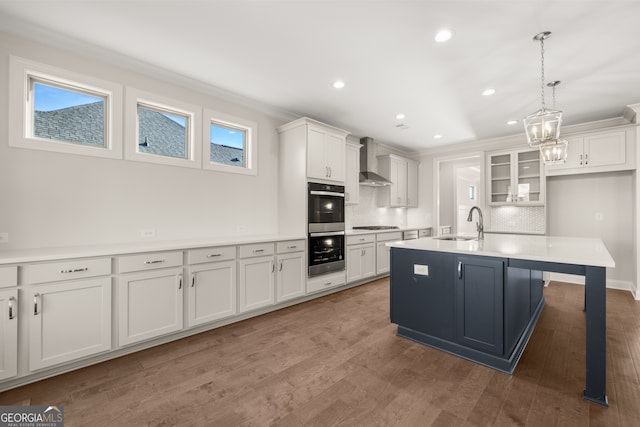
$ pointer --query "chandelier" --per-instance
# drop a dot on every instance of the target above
(543, 126)
(554, 152)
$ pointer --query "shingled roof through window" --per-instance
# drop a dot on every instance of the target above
(159, 134)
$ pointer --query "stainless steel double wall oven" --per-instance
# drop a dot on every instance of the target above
(326, 228)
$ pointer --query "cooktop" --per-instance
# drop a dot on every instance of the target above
(376, 227)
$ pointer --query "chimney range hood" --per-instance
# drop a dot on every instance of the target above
(367, 177)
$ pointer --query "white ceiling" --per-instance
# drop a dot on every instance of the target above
(288, 53)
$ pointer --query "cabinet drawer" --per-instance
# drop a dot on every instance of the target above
(257, 249)
(67, 269)
(361, 238)
(198, 256)
(326, 281)
(149, 261)
(425, 232)
(388, 237)
(290, 246)
(8, 277)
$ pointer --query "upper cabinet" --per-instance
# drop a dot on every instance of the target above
(515, 177)
(352, 174)
(602, 151)
(403, 173)
(325, 154)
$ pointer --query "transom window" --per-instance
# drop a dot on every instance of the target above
(229, 144)
(162, 132)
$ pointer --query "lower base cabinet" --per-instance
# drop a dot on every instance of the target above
(291, 275)
(8, 333)
(149, 304)
(68, 320)
(256, 285)
(211, 292)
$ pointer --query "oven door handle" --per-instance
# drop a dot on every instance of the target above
(333, 233)
(325, 193)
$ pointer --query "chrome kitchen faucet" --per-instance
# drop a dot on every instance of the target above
(479, 224)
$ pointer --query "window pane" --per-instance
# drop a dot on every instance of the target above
(66, 115)
(228, 145)
(162, 133)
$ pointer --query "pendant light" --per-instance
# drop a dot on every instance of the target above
(554, 152)
(543, 125)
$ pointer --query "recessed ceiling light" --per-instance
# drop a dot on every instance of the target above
(444, 35)
(399, 116)
(338, 84)
(489, 92)
(512, 122)
(438, 136)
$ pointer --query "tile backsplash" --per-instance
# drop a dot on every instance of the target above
(525, 219)
(367, 211)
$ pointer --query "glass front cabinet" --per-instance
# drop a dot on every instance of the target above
(515, 178)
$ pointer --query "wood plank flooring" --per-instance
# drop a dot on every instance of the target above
(337, 361)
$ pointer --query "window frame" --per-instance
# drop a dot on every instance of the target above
(250, 150)
(23, 71)
(135, 97)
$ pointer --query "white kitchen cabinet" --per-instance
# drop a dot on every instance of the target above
(326, 281)
(68, 320)
(412, 184)
(325, 154)
(8, 333)
(383, 252)
(596, 152)
(69, 313)
(150, 296)
(403, 174)
(211, 292)
(361, 257)
(352, 174)
(256, 287)
(515, 178)
(291, 272)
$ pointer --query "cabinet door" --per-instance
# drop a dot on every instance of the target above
(69, 320)
(529, 183)
(352, 175)
(256, 283)
(291, 276)
(149, 304)
(8, 333)
(399, 186)
(317, 154)
(412, 184)
(605, 149)
(354, 263)
(335, 157)
(500, 178)
(422, 292)
(211, 292)
(368, 260)
(382, 258)
(479, 301)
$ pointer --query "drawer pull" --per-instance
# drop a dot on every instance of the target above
(257, 251)
(36, 296)
(155, 261)
(74, 270)
(459, 269)
(328, 284)
(213, 255)
(11, 310)
(292, 247)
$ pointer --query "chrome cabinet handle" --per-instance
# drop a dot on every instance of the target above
(328, 283)
(580, 159)
(459, 269)
(292, 247)
(257, 251)
(179, 281)
(213, 255)
(11, 313)
(273, 267)
(74, 270)
(36, 296)
(586, 159)
(155, 261)
(193, 280)
(280, 269)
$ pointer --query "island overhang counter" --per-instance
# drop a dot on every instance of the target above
(469, 297)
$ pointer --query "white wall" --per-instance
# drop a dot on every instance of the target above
(572, 204)
(50, 199)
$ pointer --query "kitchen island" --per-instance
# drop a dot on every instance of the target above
(481, 299)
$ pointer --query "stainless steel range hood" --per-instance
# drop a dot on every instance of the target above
(367, 157)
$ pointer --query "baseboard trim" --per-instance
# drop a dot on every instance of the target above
(622, 285)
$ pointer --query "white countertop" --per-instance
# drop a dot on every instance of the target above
(50, 254)
(391, 230)
(564, 250)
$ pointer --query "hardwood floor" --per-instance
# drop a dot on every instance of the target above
(337, 361)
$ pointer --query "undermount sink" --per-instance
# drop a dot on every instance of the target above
(456, 238)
